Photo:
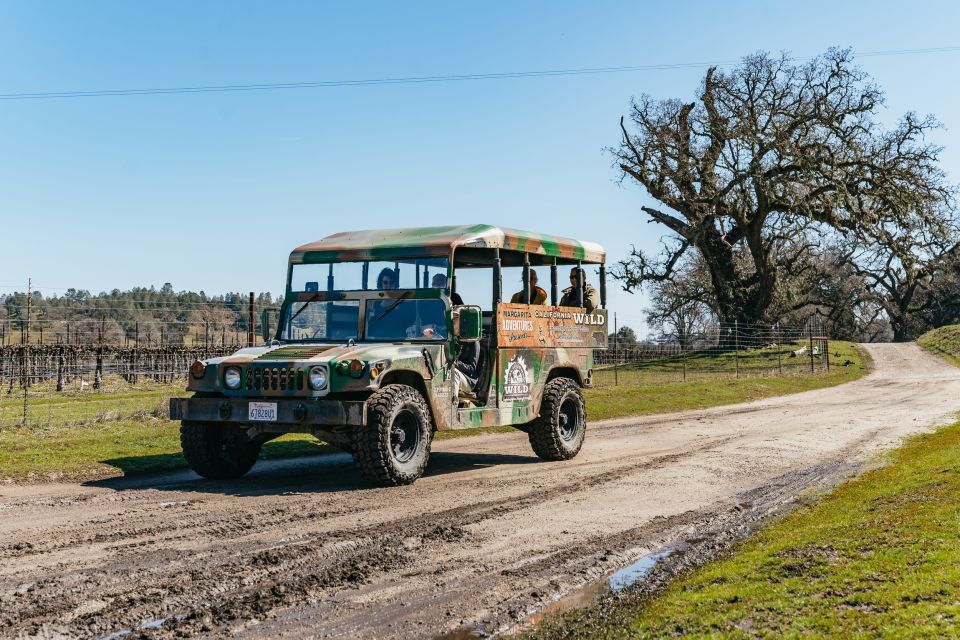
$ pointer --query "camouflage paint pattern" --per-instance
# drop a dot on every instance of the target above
(422, 359)
(426, 361)
(442, 241)
(540, 365)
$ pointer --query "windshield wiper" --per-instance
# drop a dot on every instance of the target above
(306, 304)
(403, 296)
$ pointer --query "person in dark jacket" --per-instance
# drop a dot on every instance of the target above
(440, 282)
(591, 299)
(466, 368)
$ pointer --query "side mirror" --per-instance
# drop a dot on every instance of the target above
(467, 323)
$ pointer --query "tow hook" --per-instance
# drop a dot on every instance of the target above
(300, 413)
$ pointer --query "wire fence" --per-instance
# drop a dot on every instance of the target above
(721, 350)
(47, 385)
(100, 329)
(57, 385)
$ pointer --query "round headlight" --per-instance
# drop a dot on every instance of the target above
(231, 377)
(318, 377)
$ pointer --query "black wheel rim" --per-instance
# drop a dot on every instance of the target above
(405, 436)
(230, 443)
(569, 419)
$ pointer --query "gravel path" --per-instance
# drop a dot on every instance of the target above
(491, 535)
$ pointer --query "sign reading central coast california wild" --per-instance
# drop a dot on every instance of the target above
(520, 325)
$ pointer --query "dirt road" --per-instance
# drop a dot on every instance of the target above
(304, 549)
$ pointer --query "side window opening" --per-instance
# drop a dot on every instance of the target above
(539, 285)
(475, 286)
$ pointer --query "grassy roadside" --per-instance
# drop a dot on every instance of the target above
(944, 342)
(646, 397)
(144, 443)
(878, 556)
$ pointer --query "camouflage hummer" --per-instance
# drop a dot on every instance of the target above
(371, 335)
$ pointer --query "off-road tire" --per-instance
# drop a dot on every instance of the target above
(558, 433)
(217, 452)
(383, 458)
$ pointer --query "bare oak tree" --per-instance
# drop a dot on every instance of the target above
(899, 263)
(769, 148)
(681, 307)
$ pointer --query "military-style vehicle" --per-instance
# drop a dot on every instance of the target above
(375, 351)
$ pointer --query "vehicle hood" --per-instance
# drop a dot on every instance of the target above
(324, 353)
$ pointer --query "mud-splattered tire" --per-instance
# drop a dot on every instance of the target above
(559, 431)
(217, 452)
(394, 447)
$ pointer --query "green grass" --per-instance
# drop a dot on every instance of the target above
(119, 447)
(115, 401)
(710, 364)
(944, 341)
(880, 556)
(94, 435)
(644, 391)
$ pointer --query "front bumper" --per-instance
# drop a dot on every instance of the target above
(291, 411)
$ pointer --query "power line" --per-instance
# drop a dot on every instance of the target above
(100, 93)
(345, 83)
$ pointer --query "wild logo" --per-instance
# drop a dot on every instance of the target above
(516, 381)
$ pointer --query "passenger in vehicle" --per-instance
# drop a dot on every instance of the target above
(440, 282)
(388, 317)
(466, 370)
(387, 279)
(537, 295)
(591, 299)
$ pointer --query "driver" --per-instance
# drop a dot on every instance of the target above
(388, 316)
(466, 369)
(432, 323)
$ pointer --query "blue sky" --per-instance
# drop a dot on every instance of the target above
(211, 191)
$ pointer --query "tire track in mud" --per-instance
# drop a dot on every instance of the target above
(702, 533)
(479, 541)
(252, 583)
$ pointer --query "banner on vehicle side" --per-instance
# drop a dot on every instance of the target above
(524, 325)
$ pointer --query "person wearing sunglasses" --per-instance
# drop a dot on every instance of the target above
(387, 279)
(591, 299)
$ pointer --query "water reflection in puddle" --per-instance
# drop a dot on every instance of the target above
(590, 593)
(636, 571)
(150, 624)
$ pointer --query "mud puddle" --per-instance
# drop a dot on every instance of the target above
(487, 538)
(146, 626)
(587, 596)
(636, 571)
(704, 540)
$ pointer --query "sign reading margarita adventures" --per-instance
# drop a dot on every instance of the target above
(521, 325)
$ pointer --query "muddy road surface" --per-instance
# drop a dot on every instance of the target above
(489, 536)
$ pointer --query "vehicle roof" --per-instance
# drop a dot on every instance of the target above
(440, 241)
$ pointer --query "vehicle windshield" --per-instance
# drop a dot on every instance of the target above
(392, 319)
(321, 320)
(406, 320)
(407, 273)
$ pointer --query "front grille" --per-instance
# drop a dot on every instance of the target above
(274, 379)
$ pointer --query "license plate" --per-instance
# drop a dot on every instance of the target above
(262, 412)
